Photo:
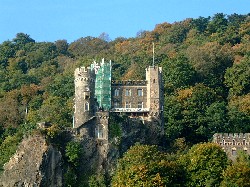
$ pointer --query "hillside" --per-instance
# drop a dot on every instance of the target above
(206, 69)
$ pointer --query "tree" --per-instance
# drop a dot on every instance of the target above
(7, 50)
(200, 24)
(105, 37)
(56, 110)
(9, 147)
(62, 46)
(144, 165)
(210, 61)
(237, 78)
(22, 39)
(178, 73)
(218, 23)
(204, 164)
(237, 174)
(74, 152)
(238, 120)
(216, 118)
(10, 109)
(187, 113)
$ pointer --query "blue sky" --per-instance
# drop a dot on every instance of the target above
(50, 20)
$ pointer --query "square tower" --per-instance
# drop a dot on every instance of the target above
(155, 91)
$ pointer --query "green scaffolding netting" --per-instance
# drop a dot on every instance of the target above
(103, 85)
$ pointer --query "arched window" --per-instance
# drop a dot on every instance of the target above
(86, 107)
(99, 132)
(116, 92)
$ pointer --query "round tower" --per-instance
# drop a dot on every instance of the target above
(84, 95)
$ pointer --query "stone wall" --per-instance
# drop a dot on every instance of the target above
(133, 99)
(232, 143)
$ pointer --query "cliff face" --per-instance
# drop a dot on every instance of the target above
(34, 164)
(38, 164)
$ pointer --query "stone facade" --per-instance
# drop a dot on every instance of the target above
(232, 143)
(136, 98)
(84, 95)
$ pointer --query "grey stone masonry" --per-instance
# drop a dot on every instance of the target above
(141, 99)
(232, 143)
(84, 95)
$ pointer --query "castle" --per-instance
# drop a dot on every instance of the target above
(232, 143)
(96, 95)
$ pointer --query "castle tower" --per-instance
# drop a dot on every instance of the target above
(84, 95)
(155, 91)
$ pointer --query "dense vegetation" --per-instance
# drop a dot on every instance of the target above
(206, 64)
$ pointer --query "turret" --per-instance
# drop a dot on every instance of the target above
(84, 95)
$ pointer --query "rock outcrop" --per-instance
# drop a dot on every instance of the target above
(35, 163)
(38, 163)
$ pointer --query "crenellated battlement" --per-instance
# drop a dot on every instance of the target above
(84, 72)
(232, 136)
(129, 82)
(154, 68)
(84, 79)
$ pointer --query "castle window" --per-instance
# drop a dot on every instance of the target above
(234, 152)
(139, 92)
(127, 92)
(116, 104)
(127, 105)
(140, 104)
(153, 80)
(99, 131)
(86, 106)
(244, 142)
(116, 92)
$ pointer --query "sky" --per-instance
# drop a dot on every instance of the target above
(51, 20)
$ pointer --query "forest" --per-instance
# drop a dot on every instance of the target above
(206, 70)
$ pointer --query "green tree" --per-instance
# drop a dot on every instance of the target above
(187, 113)
(205, 163)
(237, 78)
(237, 174)
(56, 110)
(178, 73)
(218, 23)
(62, 46)
(7, 50)
(200, 24)
(210, 61)
(22, 39)
(8, 148)
(74, 152)
(97, 181)
(144, 165)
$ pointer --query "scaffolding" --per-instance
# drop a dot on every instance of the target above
(103, 84)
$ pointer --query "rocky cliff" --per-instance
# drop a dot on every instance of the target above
(35, 163)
